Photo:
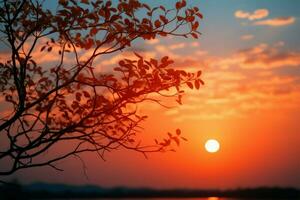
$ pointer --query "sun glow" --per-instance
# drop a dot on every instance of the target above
(212, 146)
(213, 198)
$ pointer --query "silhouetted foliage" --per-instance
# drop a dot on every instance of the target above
(69, 101)
(12, 190)
(62, 191)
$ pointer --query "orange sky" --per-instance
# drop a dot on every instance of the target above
(250, 104)
(251, 110)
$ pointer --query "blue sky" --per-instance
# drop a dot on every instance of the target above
(226, 29)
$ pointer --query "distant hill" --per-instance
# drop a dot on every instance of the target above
(45, 190)
(59, 188)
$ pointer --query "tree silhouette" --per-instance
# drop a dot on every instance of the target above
(68, 101)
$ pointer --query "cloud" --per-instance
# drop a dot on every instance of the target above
(279, 21)
(257, 14)
(162, 49)
(246, 82)
(153, 41)
(261, 56)
(267, 57)
(195, 44)
(247, 37)
(177, 46)
(279, 44)
(241, 14)
(201, 53)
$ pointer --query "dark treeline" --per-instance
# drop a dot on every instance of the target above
(46, 191)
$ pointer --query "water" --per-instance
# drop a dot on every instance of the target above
(207, 198)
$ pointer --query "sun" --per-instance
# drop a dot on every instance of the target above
(212, 146)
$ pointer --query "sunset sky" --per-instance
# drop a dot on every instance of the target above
(249, 54)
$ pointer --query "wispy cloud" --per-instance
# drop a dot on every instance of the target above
(263, 13)
(279, 21)
(257, 14)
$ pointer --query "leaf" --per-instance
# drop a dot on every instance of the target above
(197, 84)
(86, 94)
(164, 19)
(49, 49)
(178, 5)
(199, 73)
(190, 18)
(138, 55)
(195, 26)
(85, 1)
(93, 31)
(157, 23)
(147, 7)
(43, 79)
(199, 15)
(179, 18)
(194, 35)
(179, 99)
(190, 85)
(167, 142)
(43, 48)
(63, 2)
(78, 96)
(183, 138)
(154, 62)
(201, 81)
(182, 72)
(131, 140)
(140, 63)
(121, 62)
(164, 34)
(162, 8)
(118, 69)
(165, 59)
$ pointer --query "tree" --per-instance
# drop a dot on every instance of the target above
(70, 102)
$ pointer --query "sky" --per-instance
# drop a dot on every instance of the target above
(249, 54)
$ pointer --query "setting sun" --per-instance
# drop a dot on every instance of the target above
(212, 146)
